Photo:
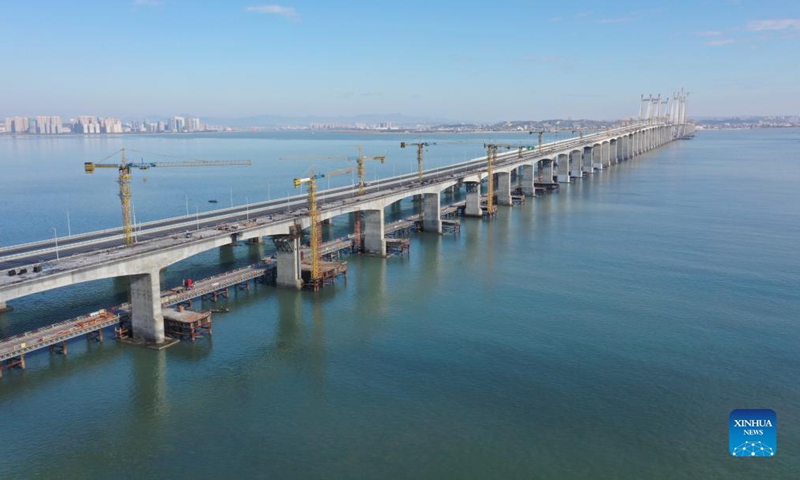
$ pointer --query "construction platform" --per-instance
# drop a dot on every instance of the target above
(14, 349)
(186, 324)
(329, 271)
(217, 286)
(397, 246)
(451, 226)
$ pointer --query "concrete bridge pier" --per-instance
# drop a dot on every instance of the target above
(614, 152)
(563, 168)
(597, 157)
(626, 147)
(288, 261)
(473, 205)
(549, 171)
(5, 308)
(575, 159)
(586, 161)
(374, 235)
(605, 158)
(432, 213)
(503, 188)
(528, 181)
(147, 322)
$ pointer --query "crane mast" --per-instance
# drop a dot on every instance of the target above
(313, 213)
(124, 169)
(420, 149)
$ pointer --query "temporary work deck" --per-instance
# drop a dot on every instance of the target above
(216, 283)
(180, 323)
(328, 271)
(16, 347)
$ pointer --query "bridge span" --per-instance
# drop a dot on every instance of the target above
(30, 268)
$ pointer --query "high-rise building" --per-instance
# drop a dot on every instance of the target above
(86, 124)
(192, 124)
(178, 124)
(48, 125)
(110, 125)
(16, 125)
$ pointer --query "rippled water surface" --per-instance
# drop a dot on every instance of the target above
(605, 331)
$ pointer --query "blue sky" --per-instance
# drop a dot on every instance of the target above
(465, 60)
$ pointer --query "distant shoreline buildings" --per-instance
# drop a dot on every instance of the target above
(88, 124)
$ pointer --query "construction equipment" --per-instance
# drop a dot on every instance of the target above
(491, 157)
(541, 135)
(420, 148)
(360, 169)
(360, 159)
(124, 179)
(313, 213)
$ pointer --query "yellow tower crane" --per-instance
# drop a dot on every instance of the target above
(541, 135)
(360, 160)
(360, 171)
(420, 148)
(491, 158)
(124, 179)
(360, 167)
(313, 213)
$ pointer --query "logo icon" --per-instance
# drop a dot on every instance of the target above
(752, 433)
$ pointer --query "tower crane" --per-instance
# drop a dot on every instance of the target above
(541, 135)
(360, 170)
(125, 168)
(420, 148)
(491, 157)
(313, 213)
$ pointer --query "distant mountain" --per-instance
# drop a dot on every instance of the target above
(281, 120)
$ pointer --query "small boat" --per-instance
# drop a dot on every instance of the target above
(221, 310)
(212, 201)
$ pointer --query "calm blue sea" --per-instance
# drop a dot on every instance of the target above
(604, 331)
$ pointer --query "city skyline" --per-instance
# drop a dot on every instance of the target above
(461, 61)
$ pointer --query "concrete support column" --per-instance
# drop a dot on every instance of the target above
(5, 308)
(528, 181)
(549, 171)
(473, 206)
(597, 152)
(586, 160)
(575, 158)
(503, 188)
(613, 146)
(563, 168)
(147, 322)
(288, 263)
(374, 236)
(432, 213)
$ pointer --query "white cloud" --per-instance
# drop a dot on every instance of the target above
(709, 33)
(719, 43)
(147, 3)
(273, 10)
(606, 21)
(777, 24)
